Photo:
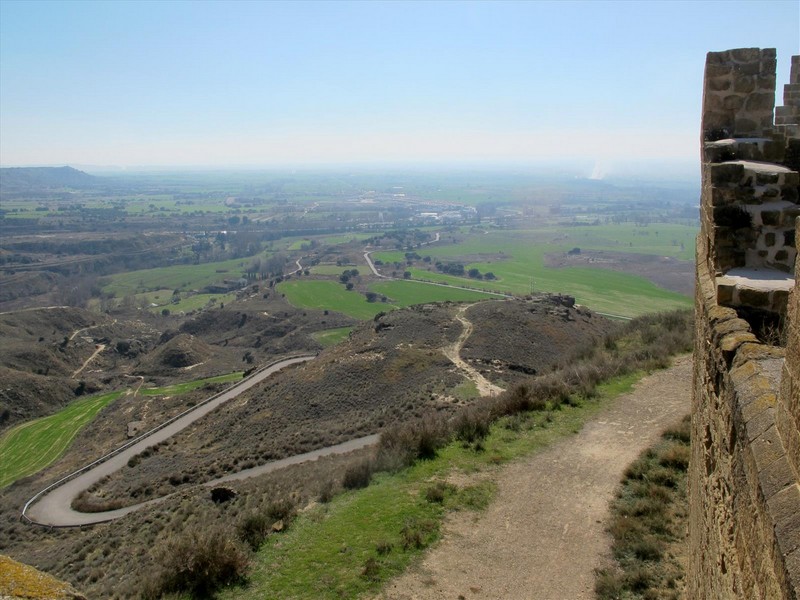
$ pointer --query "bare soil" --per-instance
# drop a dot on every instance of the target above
(544, 535)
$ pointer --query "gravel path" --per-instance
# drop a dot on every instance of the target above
(543, 536)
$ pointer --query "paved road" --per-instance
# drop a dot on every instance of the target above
(54, 507)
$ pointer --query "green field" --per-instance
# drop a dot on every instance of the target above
(30, 447)
(407, 293)
(516, 257)
(330, 337)
(182, 388)
(182, 277)
(329, 295)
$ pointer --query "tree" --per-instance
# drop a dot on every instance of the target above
(407, 275)
(349, 286)
(371, 296)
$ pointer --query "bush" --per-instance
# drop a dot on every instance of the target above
(472, 424)
(402, 444)
(254, 529)
(359, 475)
(199, 562)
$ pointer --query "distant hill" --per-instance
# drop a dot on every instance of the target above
(44, 177)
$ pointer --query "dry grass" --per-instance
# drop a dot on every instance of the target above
(648, 524)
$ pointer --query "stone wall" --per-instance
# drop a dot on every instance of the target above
(744, 482)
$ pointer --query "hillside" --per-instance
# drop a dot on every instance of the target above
(27, 178)
(390, 369)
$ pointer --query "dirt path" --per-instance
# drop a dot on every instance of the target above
(453, 352)
(98, 349)
(543, 536)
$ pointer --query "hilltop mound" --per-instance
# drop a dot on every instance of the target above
(183, 350)
(20, 178)
(555, 329)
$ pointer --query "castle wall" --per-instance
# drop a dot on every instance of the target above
(744, 477)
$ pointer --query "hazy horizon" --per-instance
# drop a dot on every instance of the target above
(613, 86)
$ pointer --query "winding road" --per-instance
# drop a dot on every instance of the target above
(52, 506)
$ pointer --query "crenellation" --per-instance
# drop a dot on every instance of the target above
(745, 464)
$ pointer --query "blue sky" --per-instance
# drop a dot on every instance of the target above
(250, 84)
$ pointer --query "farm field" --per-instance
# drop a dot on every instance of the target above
(188, 386)
(516, 257)
(31, 446)
(330, 295)
(407, 293)
(182, 277)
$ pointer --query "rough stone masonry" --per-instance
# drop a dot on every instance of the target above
(744, 477)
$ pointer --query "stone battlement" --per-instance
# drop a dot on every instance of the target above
(745, 467)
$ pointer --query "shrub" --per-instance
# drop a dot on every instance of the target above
(199, 562)
(438, 491)
(417, 533)
(472, 424)
(254, 529)
(402, 444)
(359, 475)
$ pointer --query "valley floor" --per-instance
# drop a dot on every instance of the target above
(544, 535)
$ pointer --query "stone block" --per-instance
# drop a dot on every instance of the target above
(744, 85)
(726, 173)
(718, 70)
(718, 314)
(749, 68)
(759, 424)
(784, 509)
(751, 410)
(733, 102)
(742, 55)
(775, 476)
(721, 84)
(745, 126)
(792, 563)
(754, 298)
(732, 341)
(725, 293)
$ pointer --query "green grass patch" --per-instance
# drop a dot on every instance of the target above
(181, 277)
(407, 293)
(331, 337)
(30, 447)
(353, 545)
(182, 388)
(329, 295)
